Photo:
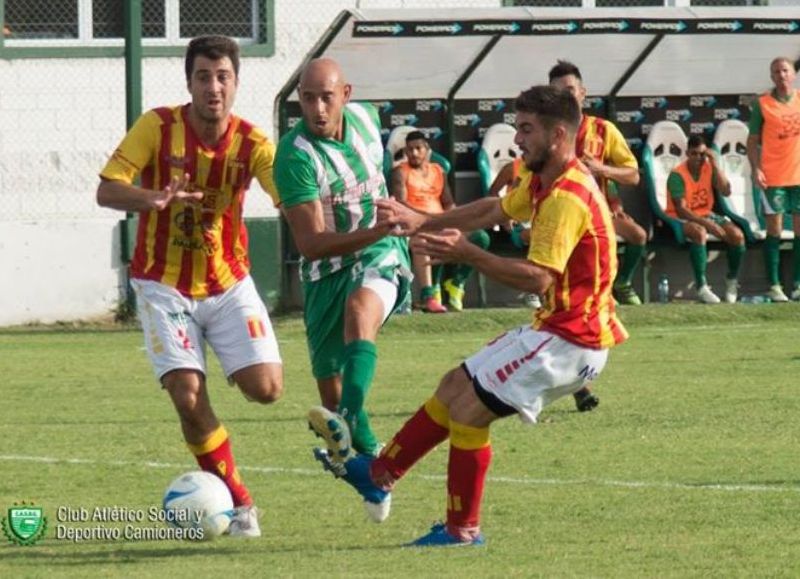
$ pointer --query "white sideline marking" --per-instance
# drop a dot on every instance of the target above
(747, 488)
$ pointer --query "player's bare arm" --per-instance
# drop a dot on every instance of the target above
(621, 175)
(398, 185)
(478, 214)
(126, 197)
(753, 144)
(721, 183)
(451, 245)
(308, 228)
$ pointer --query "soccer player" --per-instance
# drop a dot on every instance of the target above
(571, 260)
(190, 269)
(773, 149)
(603, 149)
(422, 185)
(691, 188)
(329, 175)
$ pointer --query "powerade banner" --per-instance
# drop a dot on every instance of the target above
(426, 115)
(697, 115)
(399, 29)
(634, 116)
(472, 118)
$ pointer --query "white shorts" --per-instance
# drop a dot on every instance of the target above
(235, 323)
(525, 370)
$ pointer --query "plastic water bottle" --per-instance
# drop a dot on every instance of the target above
(755, 300)
(663, 289)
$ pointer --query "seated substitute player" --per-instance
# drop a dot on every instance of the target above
(190, 268)
(422, 185)
(572, 260)
(691, 188)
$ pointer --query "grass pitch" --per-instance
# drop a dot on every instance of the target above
(689, 467)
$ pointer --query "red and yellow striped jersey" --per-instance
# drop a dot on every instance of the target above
(199, 249)
(601, 140)
(575, 240)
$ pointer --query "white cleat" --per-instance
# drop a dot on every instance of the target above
(796, 294)
(705, 295)
(731, 291)
(244, 522)
(776, 294)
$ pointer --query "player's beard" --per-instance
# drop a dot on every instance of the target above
(538, 163)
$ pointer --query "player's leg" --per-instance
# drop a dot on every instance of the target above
(773, 202)
(454, 286)
(698, 257)
(427, 293)
(635, 239)
(734, 239)
(794, 207)
(366, 309)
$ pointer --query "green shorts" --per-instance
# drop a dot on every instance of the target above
(782, 200)
(326, 299)
(714, 218)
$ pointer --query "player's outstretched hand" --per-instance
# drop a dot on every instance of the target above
(176, 191)
(402, 220)
(445, 246)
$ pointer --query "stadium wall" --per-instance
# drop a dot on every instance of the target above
(60, 118)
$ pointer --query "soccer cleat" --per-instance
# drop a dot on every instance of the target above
(455, 295)
(355, 472)
(244, 522)
(796, 294)
(731, 291)
(585, 401)
(705, 295)
(439, 537)
(434, 306)
(332, 428)
(625, 294)
(776, 294)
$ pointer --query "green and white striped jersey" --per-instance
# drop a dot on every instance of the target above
(345, 176)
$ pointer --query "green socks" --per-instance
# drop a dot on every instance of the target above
(735, 254)
(630, 260)
(462, 271)
(360, 359)
(699, 258)
(772, 259)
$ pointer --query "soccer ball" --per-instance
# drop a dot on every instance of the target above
(198, 500)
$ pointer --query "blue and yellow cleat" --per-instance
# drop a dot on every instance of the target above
(439, 537)
(333, 429)
(355, 472)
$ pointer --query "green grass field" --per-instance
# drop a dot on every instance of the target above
(689, 467)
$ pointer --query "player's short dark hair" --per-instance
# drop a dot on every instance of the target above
(416, 136)
(564, 68)
(213, 47)
(695, 141)
(551, 105)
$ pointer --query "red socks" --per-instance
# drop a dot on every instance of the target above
(215, 456)
(470, 456)
(423, 431)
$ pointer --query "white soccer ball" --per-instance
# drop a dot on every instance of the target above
(199, 500)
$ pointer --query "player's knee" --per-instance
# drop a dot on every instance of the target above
(735, 236)
(266, 391)
(696, 234)
(637, 235)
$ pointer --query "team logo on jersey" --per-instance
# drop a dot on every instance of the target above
(25, 524)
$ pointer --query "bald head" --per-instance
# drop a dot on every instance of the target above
(323, 93)
(322, 70)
